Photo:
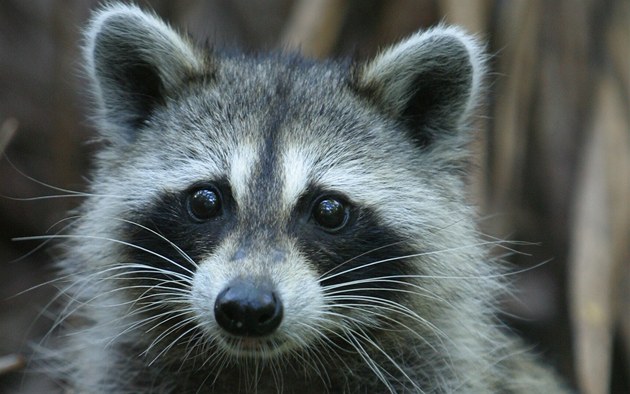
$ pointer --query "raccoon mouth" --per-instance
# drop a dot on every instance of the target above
(266, 347)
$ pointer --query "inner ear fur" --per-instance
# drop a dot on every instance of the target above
(430, 82)
(135, 61)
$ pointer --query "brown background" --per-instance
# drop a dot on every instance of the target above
(553, 168)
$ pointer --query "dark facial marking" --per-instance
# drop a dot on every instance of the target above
(195, 220)
(361, 240)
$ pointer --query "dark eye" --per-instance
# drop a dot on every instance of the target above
(204, 203)
(331, 213)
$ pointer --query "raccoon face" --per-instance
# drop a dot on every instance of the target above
(265, 205)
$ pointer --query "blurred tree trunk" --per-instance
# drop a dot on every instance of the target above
(600, 251)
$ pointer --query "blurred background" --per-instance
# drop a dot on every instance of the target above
(553, 166)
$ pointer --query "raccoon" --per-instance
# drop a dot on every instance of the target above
(272, 224)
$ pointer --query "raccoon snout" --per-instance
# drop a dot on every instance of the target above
(248, 309)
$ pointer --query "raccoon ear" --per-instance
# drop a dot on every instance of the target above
(134, 61)
(430, 82)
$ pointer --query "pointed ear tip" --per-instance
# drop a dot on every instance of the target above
(109, 17)
(110, 10)
(100, 17)
(474, 45)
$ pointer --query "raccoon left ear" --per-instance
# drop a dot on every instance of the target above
(430, 82)
(135, 62)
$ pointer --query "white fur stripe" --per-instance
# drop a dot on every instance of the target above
(295, 167)
(242, 162)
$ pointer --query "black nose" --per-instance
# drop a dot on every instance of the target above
(249, 309)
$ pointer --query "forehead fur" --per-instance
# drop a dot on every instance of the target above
(275, 126)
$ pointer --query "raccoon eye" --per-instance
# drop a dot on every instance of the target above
(204, 203)
(331, 213)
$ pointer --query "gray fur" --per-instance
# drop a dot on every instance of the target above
(274, 128)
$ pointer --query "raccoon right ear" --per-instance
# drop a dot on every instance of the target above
(430, 82)
(134, 61)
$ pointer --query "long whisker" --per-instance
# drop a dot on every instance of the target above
(172, 244)
(437, 252)
(68, 192)
(99, 238)
(46, 242)
(347, 287)
(361, 255)
(365, 337)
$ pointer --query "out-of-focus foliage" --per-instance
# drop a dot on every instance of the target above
(554, 148)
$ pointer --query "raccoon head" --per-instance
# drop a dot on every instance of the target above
(265, 205)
